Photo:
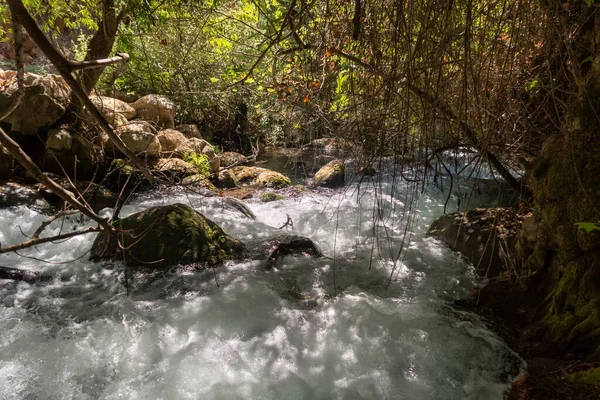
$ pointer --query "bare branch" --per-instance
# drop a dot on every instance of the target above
(77, 65)
(34, 242)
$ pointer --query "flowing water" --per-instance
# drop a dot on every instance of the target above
(373, 320)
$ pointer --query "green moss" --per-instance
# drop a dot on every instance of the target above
(588, 377)
(270, 196)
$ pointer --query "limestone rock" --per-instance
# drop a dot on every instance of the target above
(190, 131)
(170, 140)
(110, 106)
(226, 179)
(156, 109)
(138, 136)
(330, 175)
(69, 151)
(260, 176)
(166, 236)
(46, 97)
(480, 235)
(192, 146)
(175, 167)
(229, 158)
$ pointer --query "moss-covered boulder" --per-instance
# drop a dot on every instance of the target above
(165, 236)
(260, 177)
(331, 174)
(270, 196)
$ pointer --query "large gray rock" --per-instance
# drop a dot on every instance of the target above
(156, 109)
(330, 175)
(229, 158)
(165, 236)
(45, 100)
(482, 235)
(109, 106)
(69, 151)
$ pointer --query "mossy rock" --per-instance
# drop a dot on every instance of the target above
(165, 236)
(120, 174)
(260, 177)
(270, 196)
(331, 174)
(588, 377)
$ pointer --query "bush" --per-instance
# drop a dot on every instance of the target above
(200, 161)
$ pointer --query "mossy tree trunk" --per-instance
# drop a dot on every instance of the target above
(566, 183)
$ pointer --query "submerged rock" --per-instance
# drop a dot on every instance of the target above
(165, 236)
(279, 246)
(330, 175)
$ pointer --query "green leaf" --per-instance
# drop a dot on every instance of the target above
(588, 226)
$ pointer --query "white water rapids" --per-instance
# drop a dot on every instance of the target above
(181, 336)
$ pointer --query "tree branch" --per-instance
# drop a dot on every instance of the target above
(78, 65)
(34, 242)
(64, 67)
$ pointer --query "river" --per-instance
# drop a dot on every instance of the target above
(355, 325)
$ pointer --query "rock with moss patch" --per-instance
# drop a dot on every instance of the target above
(330, 175)
(260, 177)
(69, 151)
(270, 196)
(165, 236)
(174, 167)
(226, 179)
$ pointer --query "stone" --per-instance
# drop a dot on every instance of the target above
(170, 140)
(260, 177)
(330, 175)
(138, 136)
(270, 196)
(229, 158)
(156, 109)
(279, 246)
(192, 146)
(226, 179)
(7, 162)
(45, 100)
(115, 119)
(15, 195)
(165, 236)
(475, 235)
(71, 152)
(174, 167)
(190, 131)
(109, 106)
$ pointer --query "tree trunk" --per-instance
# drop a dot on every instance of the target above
(101, 43)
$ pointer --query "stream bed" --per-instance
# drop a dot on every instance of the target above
(372, 320)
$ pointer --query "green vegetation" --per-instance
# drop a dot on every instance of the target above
(200, 161)
(270, 196)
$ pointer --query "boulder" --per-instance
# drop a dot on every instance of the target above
(45, 100)
(226, 179)
(156, 109)
(115, 119)
(482, 235)
(138, 136)
(7, 162)
(175, 167)
(192, 146)
(123, 177)
(190, 131)
(15, 195)
(170, 140)
(279, 246)
(108, 106)
(330, 175)
(165, 236)
(197, 180)
(229, 158)
(260, 177)
(69, 151)
(270, 196)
